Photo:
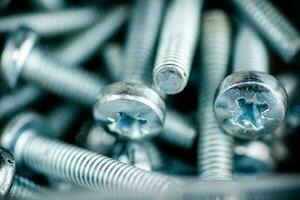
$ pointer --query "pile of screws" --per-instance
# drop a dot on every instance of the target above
(90, 95)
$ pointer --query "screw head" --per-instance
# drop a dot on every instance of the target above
(15, 53)
(19, 125)
(7, 172)
(131, 110)
(250, 104)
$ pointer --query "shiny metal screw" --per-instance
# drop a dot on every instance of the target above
(78, 49)
(215, 149)
(49, 5)
(131, 108)
(13, 186)
(272, 25)
(177, 46)
(177, 129)
(52, 23)
(23, 136)
(21, 58)
(250, 103)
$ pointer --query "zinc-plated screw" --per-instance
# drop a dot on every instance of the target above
(177, 129)
(21, 58)
(13, 186)
(52, 23)
(250, 103)
(143, 155)
(131, 108)
(253, 158)
(215, 149)
(23, 135)
(177, 46)
(79, 48)
(272, 25)
(49, 5)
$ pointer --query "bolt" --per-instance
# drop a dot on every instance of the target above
(177, 129)
(61, 119)
(49, 5)
(177, 46)
(250, 103)
(22, 58)
(52, 23)
(272, 25)
(85, 44)
(23, 135)
(130, 107)
(253, 158)
(143, 155)
(13, 186)
(215, 149)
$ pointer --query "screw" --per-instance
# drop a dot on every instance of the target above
(250, 103)
(272, 25)
(253, 158)
(79, 48)
(131, 108)
(13, 186)
(61, 118)
(215, 149)
(52, 23)
(49, 5)
(52, 158)
(21, 58)
(177, 46)
(177, 129)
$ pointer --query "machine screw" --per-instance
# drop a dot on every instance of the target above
(215, 149)
(13, 186)
(250, 104)
(131, 108)
(112, 56)
(177, 46)
(253, 157)
(272, 25)
(49, 5)
(23, 136)
(79, 48)
(52, 23)
(22, 58)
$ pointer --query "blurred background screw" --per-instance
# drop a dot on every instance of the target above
(250, 103)
(272, 25)
(215, 149)
(177, 46)
(131, 108)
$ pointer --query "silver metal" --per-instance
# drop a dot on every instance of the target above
(215, 149)
(78, 49)
(21, 58)
(52, 23)
(131, 108)
(250, 103)
(112, 56)
(56, 159)
(49, 5)
(11, 185)
(253, 157)
(272, 25)
(177, 45)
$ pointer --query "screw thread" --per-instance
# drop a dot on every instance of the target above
(178, 131)
(256, 56)
(215, 148)
(272, 25)
(74, 84)
(17, 100)
(112, 56)
(82, 46)
(143, 30)
(23, 188)
(85, 168)
(177, 44)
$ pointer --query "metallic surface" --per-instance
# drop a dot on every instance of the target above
(7, 172)
(250, 103)
(131, 108)
(177, 46)
(215, 149)
(272, 25)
